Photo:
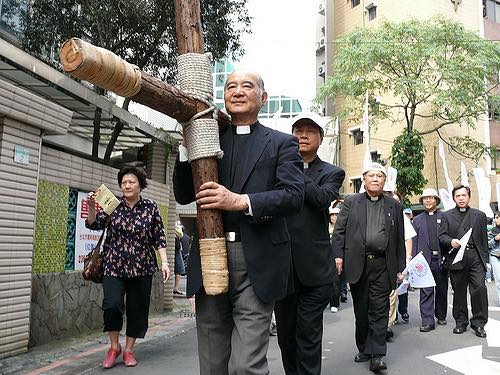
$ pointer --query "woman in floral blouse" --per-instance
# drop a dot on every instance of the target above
(134, 231)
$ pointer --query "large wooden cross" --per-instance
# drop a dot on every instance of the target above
(169, 100)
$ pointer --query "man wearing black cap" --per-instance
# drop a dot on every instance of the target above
(471, 270)
(299, 316)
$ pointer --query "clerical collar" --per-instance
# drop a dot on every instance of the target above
(430, 213)
(463, 209)
(307, 165)
(243, 129)
(373, 199)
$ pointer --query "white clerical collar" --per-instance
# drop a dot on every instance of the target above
(306, 165)
(431, 213)
(243, 129)
(462, 209)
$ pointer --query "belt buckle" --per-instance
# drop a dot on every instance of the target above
(370, 256)
(435, 253)
(230, 236)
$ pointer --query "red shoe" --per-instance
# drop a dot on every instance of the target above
(111, 357)
(129, 359)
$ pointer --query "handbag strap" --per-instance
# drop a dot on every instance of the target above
(97, 248)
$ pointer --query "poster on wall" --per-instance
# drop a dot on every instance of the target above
(85, 239)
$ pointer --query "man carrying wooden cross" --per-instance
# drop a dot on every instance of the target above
(260, 183)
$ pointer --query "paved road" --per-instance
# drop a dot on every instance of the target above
(171, 349)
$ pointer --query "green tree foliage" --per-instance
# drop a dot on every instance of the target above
(140, 31)
(432, 69)
(408, 158)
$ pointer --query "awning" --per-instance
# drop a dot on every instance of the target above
(23, 70)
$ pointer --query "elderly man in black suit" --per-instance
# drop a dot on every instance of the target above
(299, 316)
(370, 232)
(471, 270)
(261, 182)
(433, 300)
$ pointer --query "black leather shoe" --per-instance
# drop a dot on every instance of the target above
(362, 357)
(442, 322)
(377, 364)
(459, 330)
(343, 298)
(426, 328)
(389, 334)
(479, 331)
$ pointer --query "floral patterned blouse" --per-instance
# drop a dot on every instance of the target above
(132, 237)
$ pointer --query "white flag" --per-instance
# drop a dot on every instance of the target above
(449, 184)
(419, 273)
(463, 243)
(392, 177)
(464, 179)
(484, 191)
(448, 203)
(403, 287)
(366, 134)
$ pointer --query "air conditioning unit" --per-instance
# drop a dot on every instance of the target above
(322, 70)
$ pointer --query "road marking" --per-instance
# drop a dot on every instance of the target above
(467, 361)
(492, 329)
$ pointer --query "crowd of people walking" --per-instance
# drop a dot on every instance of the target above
(294, 247)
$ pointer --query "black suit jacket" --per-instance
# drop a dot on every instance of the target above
(350, 236)
(274, 182)
(450, 228)
(311, 248)
(421, 243)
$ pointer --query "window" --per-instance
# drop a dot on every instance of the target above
(493, 113)
(356, 184)
(372, 13)
(355, 3)
(375, 156)
(273, 106)
(286, 105)
(358, 137)
(492, 10)
(495, 158)
(296, 106)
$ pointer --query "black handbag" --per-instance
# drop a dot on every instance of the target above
(93, 268)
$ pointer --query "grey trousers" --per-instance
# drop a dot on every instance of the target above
(233, 328)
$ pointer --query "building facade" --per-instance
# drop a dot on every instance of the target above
(46, 167)
(338, 17)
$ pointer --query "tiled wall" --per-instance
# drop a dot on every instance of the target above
(50, 230)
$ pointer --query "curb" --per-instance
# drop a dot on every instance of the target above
(56, 355)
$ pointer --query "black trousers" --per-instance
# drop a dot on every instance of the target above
(370, 298)
(472, 276)
(299, 322)
(138, 291)
(339, 288)
(434, 300)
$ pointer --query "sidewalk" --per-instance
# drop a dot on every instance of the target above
(62, 356)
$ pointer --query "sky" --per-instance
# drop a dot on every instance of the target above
(282, 47)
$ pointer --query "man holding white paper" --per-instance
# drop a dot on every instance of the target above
(469, 271)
